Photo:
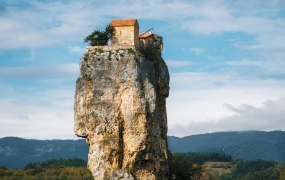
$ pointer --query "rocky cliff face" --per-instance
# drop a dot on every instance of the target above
(120, 110)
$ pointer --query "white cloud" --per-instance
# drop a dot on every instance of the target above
(244, 62)
(198, 103)
(44, 24)
(272, 68)
(51, 71)
(216, 18)
(205, 101)
(199, 99)
(32, 55)
(268, 117)
(197, 50)
(76, 49)
(44, 115)
(175, 64)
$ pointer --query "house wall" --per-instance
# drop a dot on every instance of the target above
(136, 35)
(126, 35)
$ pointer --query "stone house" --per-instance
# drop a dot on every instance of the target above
(126, 32)
(146, 38)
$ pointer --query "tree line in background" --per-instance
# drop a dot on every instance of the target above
(246, 145)
(54, 169)
(195, 166)
(183, 166)
(256, 170)
(201, 158)
(71, 162)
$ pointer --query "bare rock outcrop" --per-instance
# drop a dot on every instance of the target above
(120, 108)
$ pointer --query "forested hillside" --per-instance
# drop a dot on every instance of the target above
(54, 169)
(255, 170)
(17, 152)
(183, 166)
(249, 145)
(215, 166)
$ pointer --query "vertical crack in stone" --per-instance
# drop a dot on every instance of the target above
(121, 142)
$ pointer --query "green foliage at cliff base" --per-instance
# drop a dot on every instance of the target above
(55, 169)
(188, 166)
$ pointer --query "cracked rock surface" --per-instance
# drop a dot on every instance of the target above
(120, 108)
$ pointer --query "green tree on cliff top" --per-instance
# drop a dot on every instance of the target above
(100, 37)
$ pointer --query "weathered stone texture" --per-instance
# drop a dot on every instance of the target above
(120, 110)
(125, 35)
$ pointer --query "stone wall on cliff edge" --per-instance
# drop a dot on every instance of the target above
(120, 108)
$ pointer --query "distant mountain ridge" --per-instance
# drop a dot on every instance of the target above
(248, 145)
(17, 152)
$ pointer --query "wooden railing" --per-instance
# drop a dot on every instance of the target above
(100, 43)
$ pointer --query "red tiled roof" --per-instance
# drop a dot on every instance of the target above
(123, 22)
(145, 35)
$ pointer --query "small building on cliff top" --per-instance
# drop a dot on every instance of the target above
(147, 38)
(126, 32)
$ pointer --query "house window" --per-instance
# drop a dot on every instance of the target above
(120, 32)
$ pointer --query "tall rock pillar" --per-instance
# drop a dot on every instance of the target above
(120, 108)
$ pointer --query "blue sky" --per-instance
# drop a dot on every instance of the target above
(226, 62)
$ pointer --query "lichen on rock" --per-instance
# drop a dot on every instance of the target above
(120, 108)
